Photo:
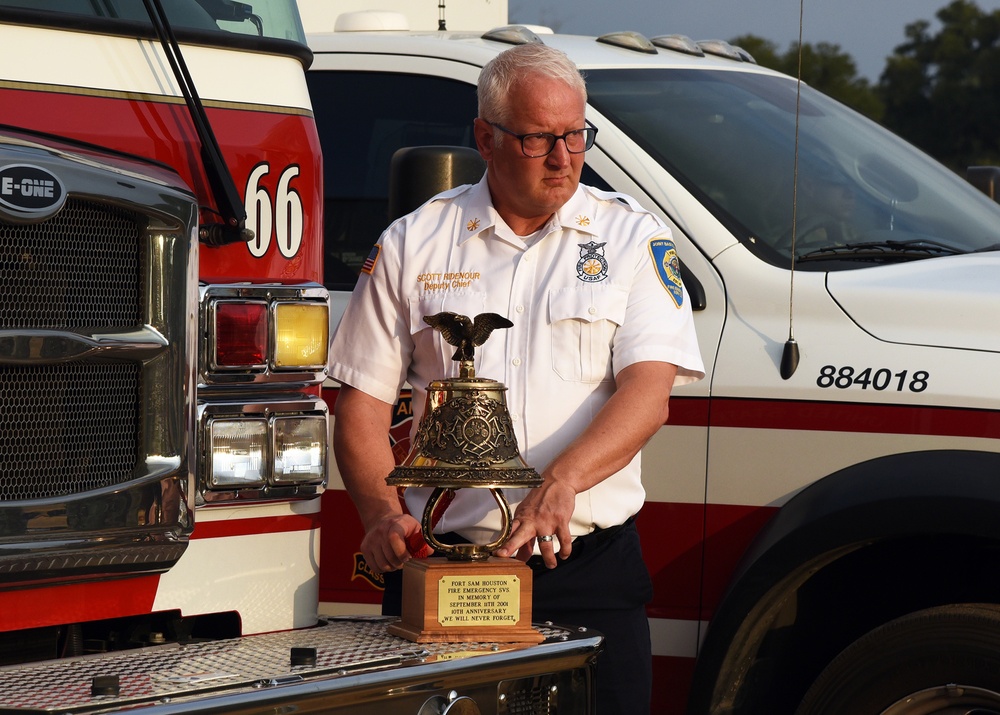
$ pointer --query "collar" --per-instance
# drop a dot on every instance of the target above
(579, 213)
(480, 219)
(478, 214)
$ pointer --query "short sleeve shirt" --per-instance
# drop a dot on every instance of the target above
(596, 290)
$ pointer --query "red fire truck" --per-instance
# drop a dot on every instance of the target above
(163, 340)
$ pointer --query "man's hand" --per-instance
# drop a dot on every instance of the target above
(361, 444)
(546, 511)
(385, 543)
(619, 430)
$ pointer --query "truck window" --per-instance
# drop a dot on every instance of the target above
(729, 137)
(363, 119)
(360, 136)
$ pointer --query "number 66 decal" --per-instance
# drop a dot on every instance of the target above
(285, 215)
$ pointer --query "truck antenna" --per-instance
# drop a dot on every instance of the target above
(441, 22)
(790, 353)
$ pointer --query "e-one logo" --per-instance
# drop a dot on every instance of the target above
(30, 191)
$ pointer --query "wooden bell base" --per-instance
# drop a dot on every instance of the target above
(455, 601)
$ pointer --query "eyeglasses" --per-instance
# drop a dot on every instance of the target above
(542, 143)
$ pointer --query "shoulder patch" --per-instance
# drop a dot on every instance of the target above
(668, 267)
(369, 264)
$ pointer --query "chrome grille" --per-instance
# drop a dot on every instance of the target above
(96, 348)
(67, 428)
(79, 269)
(530, 696)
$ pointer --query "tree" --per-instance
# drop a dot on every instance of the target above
(942, 91)
(824, 67)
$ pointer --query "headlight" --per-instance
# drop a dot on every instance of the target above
(274, 455)
(237, 453)
(299, 450)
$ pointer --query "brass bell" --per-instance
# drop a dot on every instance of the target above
(465, 438)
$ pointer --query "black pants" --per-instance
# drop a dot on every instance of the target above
(605, 586)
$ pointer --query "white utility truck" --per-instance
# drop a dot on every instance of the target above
(823, 511)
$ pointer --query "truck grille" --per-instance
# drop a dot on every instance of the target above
(97, 343)
(80, 269)
(72, 427)
(67, 428)
(530, 696)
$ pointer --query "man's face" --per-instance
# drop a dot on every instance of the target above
(525, 190)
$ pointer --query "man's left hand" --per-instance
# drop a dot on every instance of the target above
(545, 511)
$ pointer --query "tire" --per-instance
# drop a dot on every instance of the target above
(940, 661)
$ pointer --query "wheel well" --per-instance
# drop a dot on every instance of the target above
(854, 594)
(855, 549)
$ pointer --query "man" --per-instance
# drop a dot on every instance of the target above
(602, 331)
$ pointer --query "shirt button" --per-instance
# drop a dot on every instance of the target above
(515, 362)
(593, 310)
(514, 417)
(519, 309)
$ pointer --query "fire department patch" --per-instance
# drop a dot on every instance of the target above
(363, 571)
(372, 259)
(592, 266)
(668, 268)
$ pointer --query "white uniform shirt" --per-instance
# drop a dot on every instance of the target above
(596, 290)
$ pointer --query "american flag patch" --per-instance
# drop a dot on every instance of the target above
(372, 259)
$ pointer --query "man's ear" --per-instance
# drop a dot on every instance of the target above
(484, 138)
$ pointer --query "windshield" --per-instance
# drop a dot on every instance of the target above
(272, 19)
(862, 192)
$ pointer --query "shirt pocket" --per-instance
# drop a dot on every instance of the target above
(583, 321)
(426, 340)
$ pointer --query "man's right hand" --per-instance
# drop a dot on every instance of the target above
(385, 543)
(365, 459)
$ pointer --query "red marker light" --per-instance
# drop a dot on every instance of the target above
(240, 334)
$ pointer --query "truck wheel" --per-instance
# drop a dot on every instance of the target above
(940, 661)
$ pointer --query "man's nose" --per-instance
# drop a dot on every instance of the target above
(560, 154)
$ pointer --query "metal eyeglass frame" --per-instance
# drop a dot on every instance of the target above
(590, 136)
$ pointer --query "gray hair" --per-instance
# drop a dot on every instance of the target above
(512, 66)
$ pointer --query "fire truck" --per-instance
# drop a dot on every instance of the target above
(822, 521)
(163, 341)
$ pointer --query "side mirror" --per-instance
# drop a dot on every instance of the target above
(419, 172)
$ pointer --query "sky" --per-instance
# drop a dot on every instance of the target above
(867, 30)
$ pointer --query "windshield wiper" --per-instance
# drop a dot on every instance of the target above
(890, 250)
(230, 207)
